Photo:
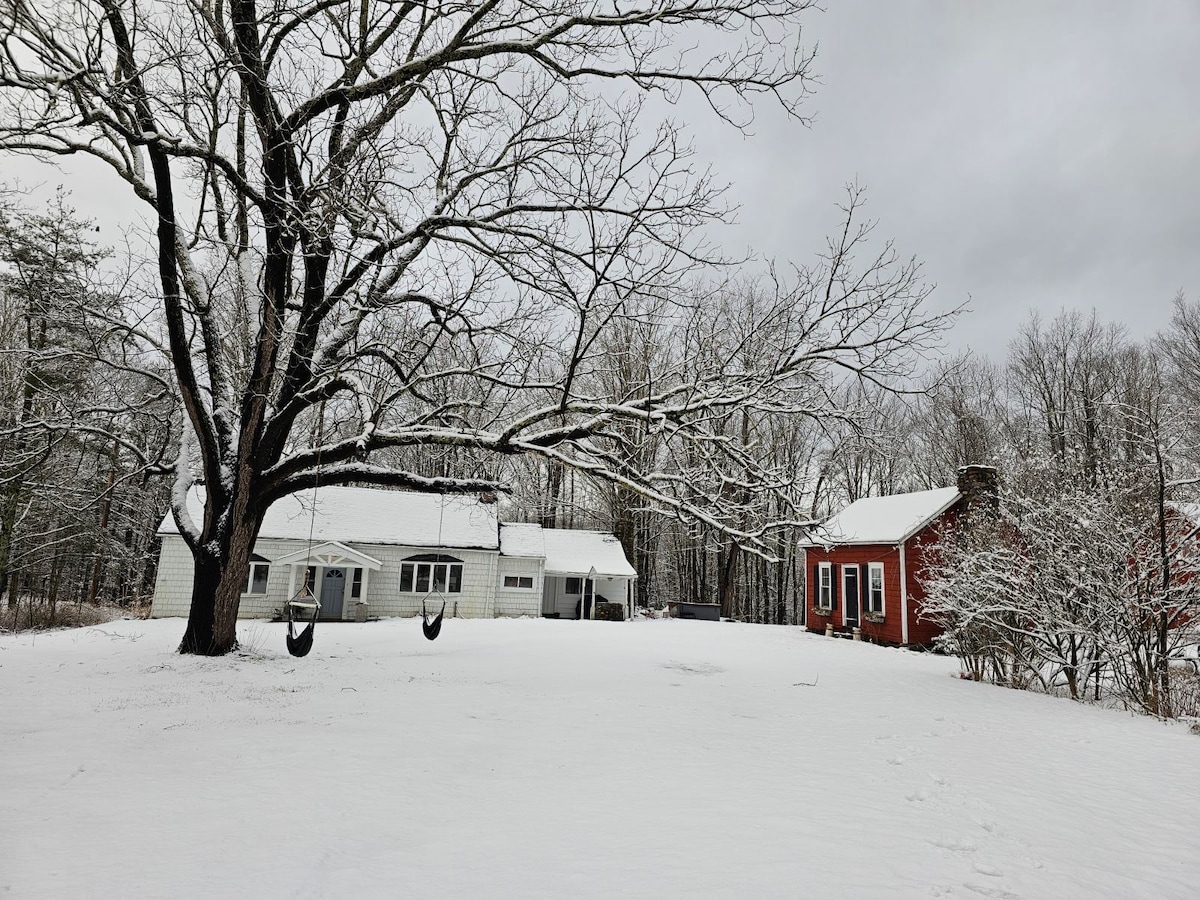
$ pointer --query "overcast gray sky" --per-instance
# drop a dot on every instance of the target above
(1035, 154)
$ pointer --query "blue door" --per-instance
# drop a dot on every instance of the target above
(333, 593)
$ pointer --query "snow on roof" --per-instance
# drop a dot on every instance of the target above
(372, 516)
(884, 520)
(573, 552)
(522, 539)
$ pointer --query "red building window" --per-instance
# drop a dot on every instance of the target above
(825, 585)
(875, 587)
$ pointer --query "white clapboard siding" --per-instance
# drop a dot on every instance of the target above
(478, 594)
(173, 583)
(519, 601)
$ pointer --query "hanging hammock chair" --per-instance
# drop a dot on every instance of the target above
(304, 608)
(432, 628)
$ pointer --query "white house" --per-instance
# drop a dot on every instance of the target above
(394, 550)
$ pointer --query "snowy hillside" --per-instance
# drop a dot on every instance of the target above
(570, 759)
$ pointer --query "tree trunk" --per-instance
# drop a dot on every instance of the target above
(548, 517)
(217, 585)
(728, 579)
(8, 521)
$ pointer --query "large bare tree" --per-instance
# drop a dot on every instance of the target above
(383, 226)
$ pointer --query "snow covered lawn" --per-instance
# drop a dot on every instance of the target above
(536, 758)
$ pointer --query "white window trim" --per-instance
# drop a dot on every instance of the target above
(518, 586)
(872, 568)
(432, 588)
(250, 579)
(825, 585)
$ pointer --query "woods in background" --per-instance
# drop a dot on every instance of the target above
(82, 417)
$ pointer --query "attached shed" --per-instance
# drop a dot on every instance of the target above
(584, 568)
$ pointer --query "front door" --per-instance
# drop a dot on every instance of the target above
(333, 592)
(850, 595)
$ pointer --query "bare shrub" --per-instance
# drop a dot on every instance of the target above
(29, 614)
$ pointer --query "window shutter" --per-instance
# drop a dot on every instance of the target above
(834, 571)
(816, 581)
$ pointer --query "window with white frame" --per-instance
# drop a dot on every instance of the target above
(431, 572)
(825, 585)
(356, 584)
(256, 580)
(875, 587)
(522, 582)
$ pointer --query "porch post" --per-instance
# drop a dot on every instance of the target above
(291, 582)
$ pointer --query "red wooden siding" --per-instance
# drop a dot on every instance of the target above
(890, 630)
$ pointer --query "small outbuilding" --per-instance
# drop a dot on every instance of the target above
(864, 565)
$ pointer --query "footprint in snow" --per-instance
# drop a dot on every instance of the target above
(986, 869)
(694, 668)
(895, 760)
(984, 890)
(917, 797)
(956, 845)
(940, 780)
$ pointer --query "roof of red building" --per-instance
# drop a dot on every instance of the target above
(884, 520)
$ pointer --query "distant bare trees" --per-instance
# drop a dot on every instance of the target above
(1089, 583)
(82, 418)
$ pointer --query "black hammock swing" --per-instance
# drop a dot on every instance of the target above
(432, 628)
(300, 644)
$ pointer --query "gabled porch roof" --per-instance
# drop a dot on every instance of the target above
(330, 553)
(571, 552)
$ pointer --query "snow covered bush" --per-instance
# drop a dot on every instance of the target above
(1081, 592)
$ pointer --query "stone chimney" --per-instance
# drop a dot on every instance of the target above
(980, 487)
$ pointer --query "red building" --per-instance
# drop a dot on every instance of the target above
(864, 565)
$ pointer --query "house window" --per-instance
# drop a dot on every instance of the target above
(524, 582)
(875, 587)
(257, 582)
(825, 585)
(431, 571)
(356, 584)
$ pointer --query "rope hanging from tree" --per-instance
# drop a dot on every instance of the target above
(304, 605)
(432, 628)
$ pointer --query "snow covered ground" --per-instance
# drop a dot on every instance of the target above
(569, 759)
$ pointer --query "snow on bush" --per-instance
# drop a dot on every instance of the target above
(1085, 592)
